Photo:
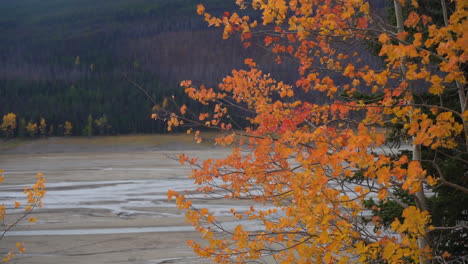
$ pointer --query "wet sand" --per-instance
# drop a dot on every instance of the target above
(106, 199)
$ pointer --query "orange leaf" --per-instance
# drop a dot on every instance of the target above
(200, 9)
(250, 62)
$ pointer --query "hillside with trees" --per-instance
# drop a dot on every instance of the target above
(67, 60)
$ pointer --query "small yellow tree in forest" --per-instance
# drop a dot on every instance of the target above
(316, 165)
(32, 129)
(68, 128)
(102, 125)
(43, 127)
(9, 124)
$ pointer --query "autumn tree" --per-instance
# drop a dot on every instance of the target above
(310, 167)
(43, 127)
(32, 128)
(9, 124)
(10, 217)
(102, 125)
(68, 128)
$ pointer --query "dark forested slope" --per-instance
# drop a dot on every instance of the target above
(64, 60)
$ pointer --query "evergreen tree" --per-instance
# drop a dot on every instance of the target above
(68, 128)
(43, 127)
(88, 129)
(22, 128)
(51, 131)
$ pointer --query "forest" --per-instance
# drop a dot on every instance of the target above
(68, 60)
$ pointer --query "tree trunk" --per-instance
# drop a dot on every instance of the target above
(419, 196)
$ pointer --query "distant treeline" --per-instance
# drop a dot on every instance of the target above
(126, 108)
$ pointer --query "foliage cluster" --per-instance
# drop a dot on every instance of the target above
(11, 215)
(327, 183)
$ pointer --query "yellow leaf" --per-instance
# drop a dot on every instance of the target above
(200, 9)
(431, 181)
(20, 247)
(203, 211)
(465, 115)
(171, 193)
